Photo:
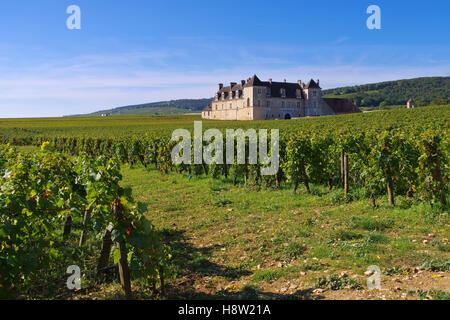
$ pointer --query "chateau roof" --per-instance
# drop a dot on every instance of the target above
(290, 88)
(312, 85)
(341, 106)
(208, 108)
(275, 87)
(253, 81)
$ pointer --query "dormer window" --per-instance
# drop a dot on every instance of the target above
(283, 92)
(268, 92)
(298, 93)
(259, 91)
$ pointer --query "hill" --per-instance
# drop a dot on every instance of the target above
(424, 91)
(181, 106)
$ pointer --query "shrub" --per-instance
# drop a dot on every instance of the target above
(335, 282)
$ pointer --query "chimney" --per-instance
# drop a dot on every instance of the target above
(300, 83)
(270, 80)
(232, 84)
(220, 86)
(284, 80)
(318, 81)
(242, 82)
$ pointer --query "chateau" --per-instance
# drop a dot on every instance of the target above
(253, 99)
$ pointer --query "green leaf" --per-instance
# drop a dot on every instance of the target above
(116, 255)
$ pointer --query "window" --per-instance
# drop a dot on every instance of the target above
(298, 104)
(282, 104)
(248, 102)
(283, 93)
(268, 92)
(259, 91)
(268, 103)
(231, 106)
(259, 103)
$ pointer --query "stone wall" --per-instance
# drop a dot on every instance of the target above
(256, 105)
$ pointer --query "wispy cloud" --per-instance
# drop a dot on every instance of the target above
(340, 40)
(88, 83)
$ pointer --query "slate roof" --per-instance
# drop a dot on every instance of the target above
(341, 106)
(275, 87)
(312, 85)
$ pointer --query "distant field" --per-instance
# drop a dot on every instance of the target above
(368, 109)
(135, 126)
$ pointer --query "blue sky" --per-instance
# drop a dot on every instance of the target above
(137, 51)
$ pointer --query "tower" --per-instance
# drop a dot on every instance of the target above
(313, 96)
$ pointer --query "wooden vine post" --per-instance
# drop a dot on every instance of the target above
(433, 158)
(342, 168)
(372, 200)
(124, 270)
(390, 187)
(84, 233)
(67, 227)
(305, 180)
(388, 174)
(346, 172)
(105, 252)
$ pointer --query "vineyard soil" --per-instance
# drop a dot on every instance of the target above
(273, 244)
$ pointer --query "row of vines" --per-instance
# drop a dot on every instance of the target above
(390, 162)
(43, 195)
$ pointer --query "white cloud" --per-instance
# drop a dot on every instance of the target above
(89, 83)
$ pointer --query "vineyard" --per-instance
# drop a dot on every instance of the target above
(45, 196)
(404, 152)
(52, 200)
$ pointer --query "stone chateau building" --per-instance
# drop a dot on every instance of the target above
(253, 99)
